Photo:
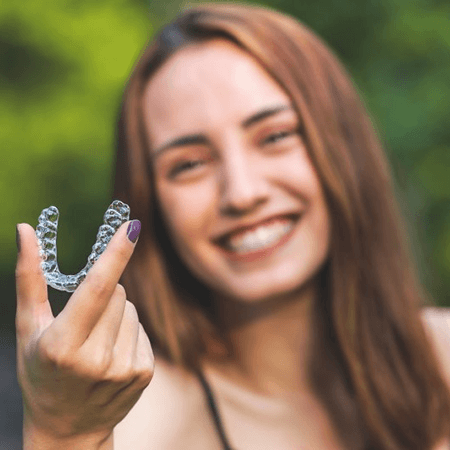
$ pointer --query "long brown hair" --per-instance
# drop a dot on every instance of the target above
(372, 365)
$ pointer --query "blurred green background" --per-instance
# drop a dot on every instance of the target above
(63, 67)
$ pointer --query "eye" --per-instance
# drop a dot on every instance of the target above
(276, 137)
(183, 166)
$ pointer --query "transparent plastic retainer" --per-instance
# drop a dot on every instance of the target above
(116, 214)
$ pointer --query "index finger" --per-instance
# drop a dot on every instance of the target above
(89, 301)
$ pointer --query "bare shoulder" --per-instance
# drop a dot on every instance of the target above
(437, 326)
(437, 321)
(163, 416)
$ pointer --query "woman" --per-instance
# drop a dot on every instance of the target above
(272, 275)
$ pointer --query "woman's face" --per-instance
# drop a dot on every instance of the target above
(221, 163)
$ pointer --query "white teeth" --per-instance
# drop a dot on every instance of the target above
(263, 236)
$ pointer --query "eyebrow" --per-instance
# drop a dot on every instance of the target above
(202, 139)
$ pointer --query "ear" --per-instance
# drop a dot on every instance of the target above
(437, 325)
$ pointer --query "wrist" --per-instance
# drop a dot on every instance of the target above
(35, 438)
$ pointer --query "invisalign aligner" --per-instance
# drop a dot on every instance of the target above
(116, 214)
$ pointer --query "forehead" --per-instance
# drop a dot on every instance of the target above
(213, 84)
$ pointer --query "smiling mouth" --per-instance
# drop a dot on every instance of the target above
(261, 237)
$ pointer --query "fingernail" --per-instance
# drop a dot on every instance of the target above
(134, 228)
(17, 238)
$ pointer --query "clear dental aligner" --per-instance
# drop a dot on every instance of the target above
(116, 214)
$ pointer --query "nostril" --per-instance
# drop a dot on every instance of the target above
(242, 207)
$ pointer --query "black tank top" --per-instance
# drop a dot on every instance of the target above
(214, 411)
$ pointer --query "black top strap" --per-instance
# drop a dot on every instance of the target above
(214, 411)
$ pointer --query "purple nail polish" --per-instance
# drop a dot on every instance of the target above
(134, 228)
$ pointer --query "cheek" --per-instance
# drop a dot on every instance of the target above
(297, 175)
(301, 178)
(187, 210)
(320, 232)
(320, 225)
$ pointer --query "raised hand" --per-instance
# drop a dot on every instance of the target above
(81, 372)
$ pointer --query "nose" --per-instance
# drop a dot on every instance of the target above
(242, 187)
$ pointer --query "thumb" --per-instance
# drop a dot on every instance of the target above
(33, 307)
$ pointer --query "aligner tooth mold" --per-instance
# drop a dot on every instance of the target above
(46, 231)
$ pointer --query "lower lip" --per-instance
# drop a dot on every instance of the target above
(259, 254)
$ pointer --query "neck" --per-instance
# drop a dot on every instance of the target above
(270, 341)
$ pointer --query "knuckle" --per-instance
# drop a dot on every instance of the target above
(91, 370)
(95, 362)
(22, 272)
(146, 365)
(47, 350)
(123, 376)
(145, 376)
(126, 377)
(95, 371)
(51, 352)
(101, 288)
(99, 363)
(140, 383)
(130, 310)
(120, 290)
(146, 341)
(18, 273)
(138, 379)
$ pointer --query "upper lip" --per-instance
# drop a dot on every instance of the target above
(246, 226)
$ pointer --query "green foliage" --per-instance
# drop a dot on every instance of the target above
(64, 64)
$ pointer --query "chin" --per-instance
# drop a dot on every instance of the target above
(285, 284)
(265, 290)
